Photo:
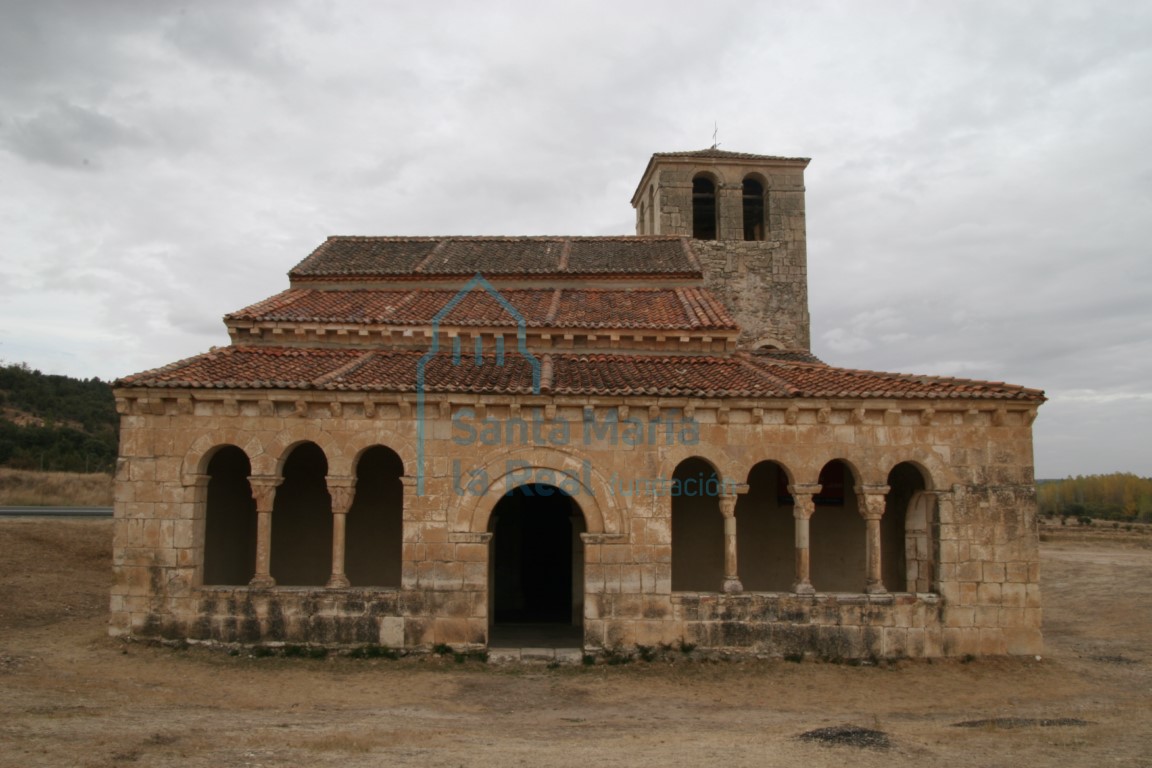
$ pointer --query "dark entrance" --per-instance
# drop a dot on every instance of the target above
(537, 565)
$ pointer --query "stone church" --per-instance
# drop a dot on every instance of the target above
(602, 441)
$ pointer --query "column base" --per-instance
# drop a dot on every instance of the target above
(875, 589)
(338, 582)
(803, 588)
(732, 586)
(262, 582)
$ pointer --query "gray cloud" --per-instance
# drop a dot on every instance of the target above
(68, 135)
(977, 203)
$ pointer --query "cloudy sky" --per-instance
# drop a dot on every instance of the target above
(979, 199)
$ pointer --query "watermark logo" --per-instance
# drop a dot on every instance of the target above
(477, 283)
(612, 429)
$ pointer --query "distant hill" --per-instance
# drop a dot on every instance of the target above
(56, 423)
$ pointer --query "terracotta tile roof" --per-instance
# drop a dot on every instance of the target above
(739, 375)
(654, 375)
(365, 257)
(249, 368)
(640, 308)
(820, 380)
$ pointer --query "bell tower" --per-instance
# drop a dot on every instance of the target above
(745, 217)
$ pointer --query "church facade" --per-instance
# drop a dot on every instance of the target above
(442, 440)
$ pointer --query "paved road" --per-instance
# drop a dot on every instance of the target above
(55, 511)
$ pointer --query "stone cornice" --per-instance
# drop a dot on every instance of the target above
(800, 412)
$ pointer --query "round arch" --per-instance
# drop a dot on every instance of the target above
(727, 469)
(594, 494)
(360, 442)
(204, 447)
(280, 447)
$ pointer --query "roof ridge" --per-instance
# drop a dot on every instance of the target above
(431, 253)
(690, 308)
(565, 253)
(553, 307)
(690, 253)
(719, 313)
(321, 382)
(787, 386)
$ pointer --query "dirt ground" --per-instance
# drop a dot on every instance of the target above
(69, 695)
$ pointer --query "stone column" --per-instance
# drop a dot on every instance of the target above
(732, 583)
(264, 491)
(730, 211)
(342, 490)
(871, 500)
(803, 507)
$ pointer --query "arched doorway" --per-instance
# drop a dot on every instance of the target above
(536, 567)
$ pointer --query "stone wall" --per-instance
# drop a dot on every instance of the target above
(975, 458)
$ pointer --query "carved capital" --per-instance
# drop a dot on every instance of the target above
(343, 491)
(728, 505)
(872, 500)
(264, 490)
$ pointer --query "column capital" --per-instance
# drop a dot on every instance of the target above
(803, 489)
(342, 489)
(872, 500)
(728, 506)
(264, 490)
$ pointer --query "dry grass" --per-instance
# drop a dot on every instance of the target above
(71, 696)
(25, 488)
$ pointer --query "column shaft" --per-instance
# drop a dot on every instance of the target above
(341, 502)
(804, 505)
(732, 583)
(872, 502)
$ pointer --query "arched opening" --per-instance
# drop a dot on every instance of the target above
(537, 563)
(375, 526)
(837, 533)
(766, 531)
(753, 209)
(229, 519)
(301, 552)
(697, 528)
(908, 532)
(703, 208)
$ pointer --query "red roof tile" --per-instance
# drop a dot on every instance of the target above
(740, 375)
(815, 379)
(641, 308)
(365, 257)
